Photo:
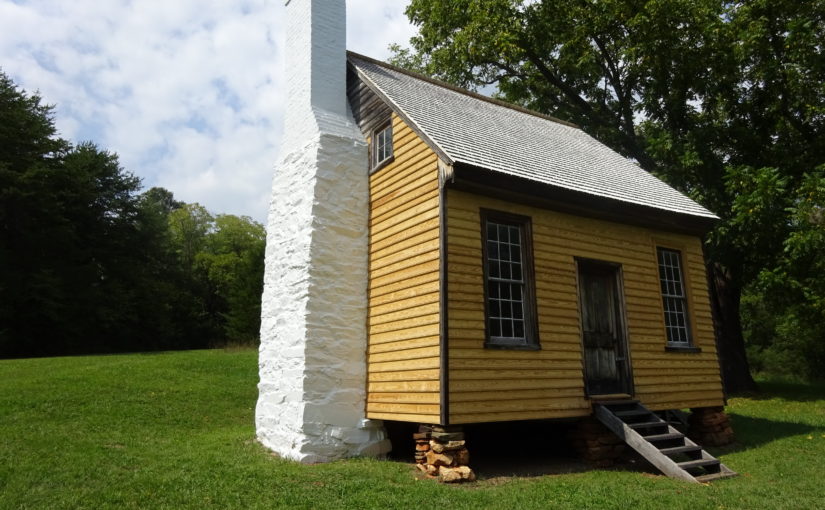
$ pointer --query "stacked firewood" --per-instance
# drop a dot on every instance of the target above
(710, 426)
(596, 443)
(443, 454)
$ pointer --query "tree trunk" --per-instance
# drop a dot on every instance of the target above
(730, 344)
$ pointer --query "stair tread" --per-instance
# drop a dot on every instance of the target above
(647, 424)
(632, 412)
(680, 449)
(664, 437)
(714, 476)
(698, 463)
(611, 403)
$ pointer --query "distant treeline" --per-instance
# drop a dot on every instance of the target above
(90, 264)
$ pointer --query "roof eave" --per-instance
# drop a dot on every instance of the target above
(514, 188)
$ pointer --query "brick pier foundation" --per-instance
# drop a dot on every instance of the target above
(710, 426)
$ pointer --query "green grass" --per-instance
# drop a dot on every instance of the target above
(175, 430)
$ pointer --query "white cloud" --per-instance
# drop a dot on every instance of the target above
(187, 92)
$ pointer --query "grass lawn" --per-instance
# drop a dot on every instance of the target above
(175, 430)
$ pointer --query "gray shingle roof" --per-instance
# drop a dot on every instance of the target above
(487, 134)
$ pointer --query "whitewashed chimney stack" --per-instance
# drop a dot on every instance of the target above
(313, 316)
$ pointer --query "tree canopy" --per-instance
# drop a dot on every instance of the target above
(722, 99)
(88, 263)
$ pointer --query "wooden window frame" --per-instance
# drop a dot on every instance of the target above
(687, 310)
(530, 341)
(375, 163)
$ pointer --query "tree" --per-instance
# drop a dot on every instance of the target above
(713, 96)
(68, 216)
(89, 264)
(234, 264)
(29, 149)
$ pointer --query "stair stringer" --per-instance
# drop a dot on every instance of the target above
(649, 451)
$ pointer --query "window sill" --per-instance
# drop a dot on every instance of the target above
(382, 164)
(513, 347)
(688, 350)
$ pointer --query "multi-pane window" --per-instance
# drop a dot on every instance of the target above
(509, 306)
(382, 145)
(673, 297)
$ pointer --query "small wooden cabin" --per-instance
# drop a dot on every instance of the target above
(520, 269)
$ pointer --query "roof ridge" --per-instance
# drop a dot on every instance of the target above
(454, 88)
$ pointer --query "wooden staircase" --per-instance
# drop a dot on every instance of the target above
(659, 442)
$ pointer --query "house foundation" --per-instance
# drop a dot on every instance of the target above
(710, 426)
(595, 443)
(441, 452)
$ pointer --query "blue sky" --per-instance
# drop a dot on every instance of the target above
(189, 93)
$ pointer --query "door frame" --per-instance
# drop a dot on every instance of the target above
(626, 373)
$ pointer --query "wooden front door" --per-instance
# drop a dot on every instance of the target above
(603, 334)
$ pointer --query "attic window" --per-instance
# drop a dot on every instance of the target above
(674, 300)
(509, 286)
(382, 146)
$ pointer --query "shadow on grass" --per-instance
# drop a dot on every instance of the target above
(787, 390)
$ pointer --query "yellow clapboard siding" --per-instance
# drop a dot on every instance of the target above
(403, 387)
(405, 314)
(460, 278)
(457, 353)
(405, 375)
(382, 407)
(419, 183)
(399, 204)
(499, 374)
(676, 396)
(425, 228)
(423, 287)
(404, 397)
(403, 345)
(566, 350)
(401, 305)
(550, 395)
(455, 267)
(588, 240)
(427, 268)
(427, 214)
(456, 303)
(396, 416)
(517, 404)
(468, 418)
(512, 364)
(406, 354)
(420, 253)
(710, 387)
(481, 385)
(674, 362)
(557, 240)
(422, 168)
(402, 216)
(409, 160)
(413, 364)
(476, 314)
(424, 331)
(403, 325)
(399, 267)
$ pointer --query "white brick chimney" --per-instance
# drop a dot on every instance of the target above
(313, 317)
